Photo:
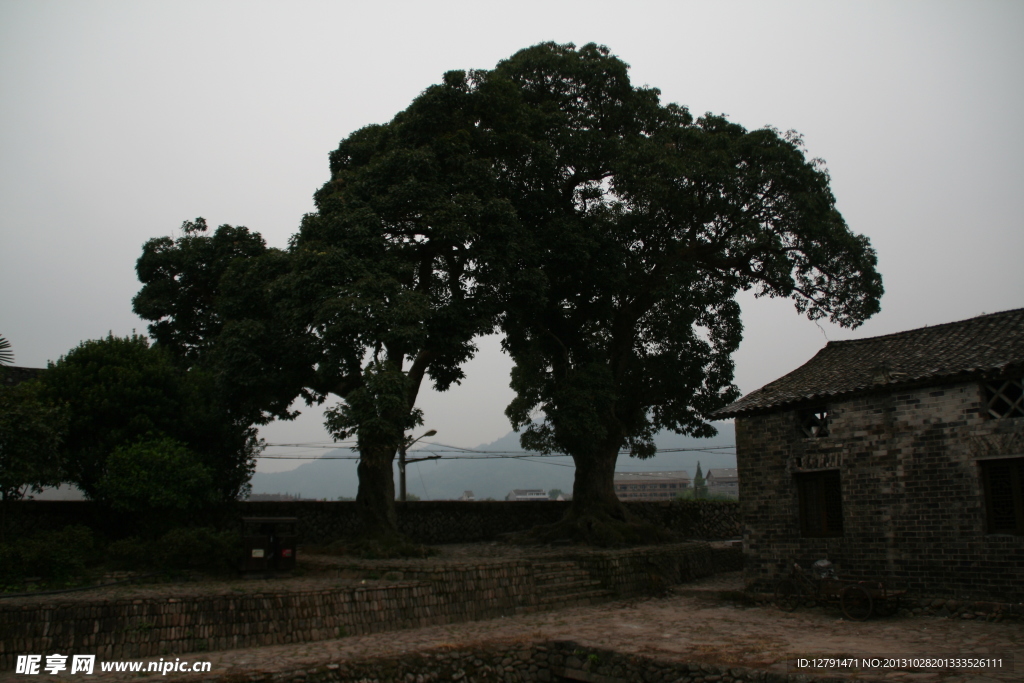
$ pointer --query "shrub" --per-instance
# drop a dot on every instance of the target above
(201, 548)
(197, 548)
(157, 480)
(52, 556)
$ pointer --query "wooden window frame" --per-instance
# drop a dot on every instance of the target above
(820, 495)
(1004, 398)
(1002, 482)
(816, 422)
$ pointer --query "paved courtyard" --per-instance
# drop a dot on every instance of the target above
(698, 622)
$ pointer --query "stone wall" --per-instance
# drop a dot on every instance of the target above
(912, 500)
(402, 594)
(428, 522)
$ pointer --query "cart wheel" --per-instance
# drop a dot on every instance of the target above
(787, 595)
(856, 603)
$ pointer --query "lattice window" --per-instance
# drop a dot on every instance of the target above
(814, 423)
(821, 504)
(1005, 398)
(1003, 482)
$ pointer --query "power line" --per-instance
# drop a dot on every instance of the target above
(445, 448)
(467, 454)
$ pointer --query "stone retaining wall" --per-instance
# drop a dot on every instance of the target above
(428, 522)
(419, 596)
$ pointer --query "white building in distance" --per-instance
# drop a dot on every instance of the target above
(650, 485)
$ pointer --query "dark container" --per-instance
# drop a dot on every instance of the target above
(268, 544)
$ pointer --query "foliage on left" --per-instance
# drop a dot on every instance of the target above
(31, 432)
(50, 558)
(144, 435)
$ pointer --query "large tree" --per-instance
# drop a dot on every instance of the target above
(640, 225)
(377, 291)
(607, 232)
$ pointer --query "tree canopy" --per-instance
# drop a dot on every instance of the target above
(606, 233)
(377, 291)
(638, 225)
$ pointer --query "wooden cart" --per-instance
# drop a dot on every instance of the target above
(857, 599)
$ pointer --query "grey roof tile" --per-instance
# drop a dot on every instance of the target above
(986, 346)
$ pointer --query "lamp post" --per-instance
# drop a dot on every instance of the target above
(402, 461)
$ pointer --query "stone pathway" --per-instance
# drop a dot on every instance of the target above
(697, 623)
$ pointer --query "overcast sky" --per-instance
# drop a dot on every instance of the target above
(119, 120)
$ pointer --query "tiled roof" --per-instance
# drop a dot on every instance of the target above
(11, 375)
(986, 346)
(723, 473)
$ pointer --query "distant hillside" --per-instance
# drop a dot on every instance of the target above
(493, 478)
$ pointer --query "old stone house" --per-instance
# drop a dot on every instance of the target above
(899, 456)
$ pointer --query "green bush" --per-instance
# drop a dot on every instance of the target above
(197, 548)
(201, 548)
(52, 557)
(131, 553)
(158, 477)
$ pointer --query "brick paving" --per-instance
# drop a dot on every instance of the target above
(701, 622)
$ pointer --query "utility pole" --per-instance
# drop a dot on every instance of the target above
(402, 461)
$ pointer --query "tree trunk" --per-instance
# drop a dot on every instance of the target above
(375, 500)
(596, 516)
(593, 488)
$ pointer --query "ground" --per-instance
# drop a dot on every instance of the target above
(702, 621)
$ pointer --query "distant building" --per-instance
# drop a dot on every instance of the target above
(275, 497)
(650, 485)
(527, 494)
(467, 495)
(723, 482)
(11, 375)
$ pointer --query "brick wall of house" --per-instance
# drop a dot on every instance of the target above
(912, 499)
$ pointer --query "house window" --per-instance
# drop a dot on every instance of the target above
(821, 504)
(814, 422)
(1003, 482)
(1005, 398)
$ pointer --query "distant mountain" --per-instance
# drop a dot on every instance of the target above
(445, 479)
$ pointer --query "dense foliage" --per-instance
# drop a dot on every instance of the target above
(606, 233)
(377, 291)
(32, 430)
(120, 391)
(638, 224)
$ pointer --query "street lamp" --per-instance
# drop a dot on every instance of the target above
(402, 460)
